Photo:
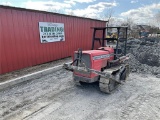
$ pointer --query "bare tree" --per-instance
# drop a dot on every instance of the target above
(157, 17)
(110, 14)
(133, 30)
(107, 16)
(129, 22)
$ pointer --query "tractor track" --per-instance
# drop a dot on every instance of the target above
(55, 97)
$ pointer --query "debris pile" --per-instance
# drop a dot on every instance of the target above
(145, 55)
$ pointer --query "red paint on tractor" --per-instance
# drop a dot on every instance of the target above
(98, 60)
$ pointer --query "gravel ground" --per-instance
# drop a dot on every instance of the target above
(55, 97)
(25, 71)
(145, 58)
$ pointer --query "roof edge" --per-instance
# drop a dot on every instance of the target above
(32, 10)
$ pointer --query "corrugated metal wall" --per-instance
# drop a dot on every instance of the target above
(20, 45)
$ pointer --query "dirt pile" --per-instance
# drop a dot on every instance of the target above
(145, 56)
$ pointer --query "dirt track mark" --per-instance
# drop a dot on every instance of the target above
(55, 97)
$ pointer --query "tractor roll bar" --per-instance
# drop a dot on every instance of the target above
(103, 29)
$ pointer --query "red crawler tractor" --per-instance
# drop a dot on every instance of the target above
(105, 64)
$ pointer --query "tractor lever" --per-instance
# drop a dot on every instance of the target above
(79, 56)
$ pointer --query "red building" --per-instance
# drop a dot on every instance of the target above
(20, 44)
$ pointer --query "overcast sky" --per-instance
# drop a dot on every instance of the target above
(141, 11)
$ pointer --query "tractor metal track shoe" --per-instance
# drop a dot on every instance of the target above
(107, 85)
